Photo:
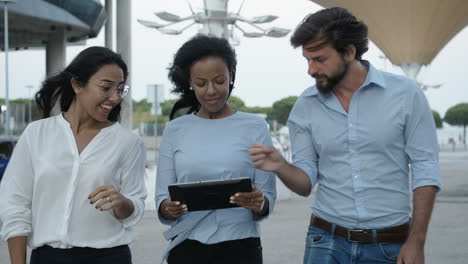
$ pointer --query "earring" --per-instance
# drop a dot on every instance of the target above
(232, 82)
(190, 88)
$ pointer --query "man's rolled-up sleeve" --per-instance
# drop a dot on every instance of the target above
(303, 152)
(421, 142)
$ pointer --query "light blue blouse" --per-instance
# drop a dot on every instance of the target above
(198, 149)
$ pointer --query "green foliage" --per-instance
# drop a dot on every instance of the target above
(162, 119)
(166, 106)
(141, 106)
(458, 116)
(141, 112)
(236, 103)
(281, 109)
(142, 117)
(21, 101)
(258, 110)
(437, 119)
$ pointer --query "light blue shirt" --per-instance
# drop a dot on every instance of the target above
(197, 149)
(361, 159)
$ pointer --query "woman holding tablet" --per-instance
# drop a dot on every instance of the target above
(211, 142)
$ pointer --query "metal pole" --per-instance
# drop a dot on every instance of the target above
(109, 37)
(124, 48)
(29, 103)
(156, 106)
(5, 15)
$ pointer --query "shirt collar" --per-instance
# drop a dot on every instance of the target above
(373, 77)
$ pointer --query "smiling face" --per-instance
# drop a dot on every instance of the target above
(325, 64)
(209, 79)
(94, 98)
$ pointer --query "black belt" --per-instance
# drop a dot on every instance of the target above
(396, 234)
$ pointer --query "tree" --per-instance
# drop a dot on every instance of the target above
(281, 109)
(458, 116)
(142, 106)
(166, 108)
(258, 110)
(437, 119)
(236, 103)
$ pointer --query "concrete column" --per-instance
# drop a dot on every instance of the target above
(109, 37)
(56, 58)
(124, 48)
(56, 52)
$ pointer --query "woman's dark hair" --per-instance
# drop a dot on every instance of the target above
(194, 50)
(335, 26)
(83, 66)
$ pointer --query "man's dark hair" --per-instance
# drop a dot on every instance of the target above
(335, 26)
(196, 49)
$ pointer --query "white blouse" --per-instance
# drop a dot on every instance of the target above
(44, 192)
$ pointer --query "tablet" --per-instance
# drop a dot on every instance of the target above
(209, 195)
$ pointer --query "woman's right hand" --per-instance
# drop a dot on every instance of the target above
(172, 209)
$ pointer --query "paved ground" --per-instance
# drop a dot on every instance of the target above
(283, 233)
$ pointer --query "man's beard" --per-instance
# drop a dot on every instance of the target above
(332, 81)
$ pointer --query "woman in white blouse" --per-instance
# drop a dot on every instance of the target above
(75, 182)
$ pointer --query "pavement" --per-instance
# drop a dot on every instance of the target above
(283, 233)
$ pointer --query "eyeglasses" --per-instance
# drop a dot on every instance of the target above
(109, 88)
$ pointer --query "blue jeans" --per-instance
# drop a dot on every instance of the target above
(322, 247)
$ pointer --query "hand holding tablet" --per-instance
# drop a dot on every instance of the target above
(209, 195)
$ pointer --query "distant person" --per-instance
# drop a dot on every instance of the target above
(452, 142)
(74, 186)
(357, 134)
(211, 142)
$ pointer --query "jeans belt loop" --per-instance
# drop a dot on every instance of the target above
(374, 236)
(332, 231)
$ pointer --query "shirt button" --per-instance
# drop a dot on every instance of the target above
(356, 176)
(350, 125)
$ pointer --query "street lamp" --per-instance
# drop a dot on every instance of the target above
(217, 21)
(7, 99)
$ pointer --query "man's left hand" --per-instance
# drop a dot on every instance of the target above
(412, 252)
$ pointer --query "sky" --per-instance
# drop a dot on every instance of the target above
(268, 70)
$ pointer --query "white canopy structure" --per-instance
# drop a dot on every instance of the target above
(410, 32)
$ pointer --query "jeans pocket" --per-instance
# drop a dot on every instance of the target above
(316, 236)
(390, 250)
